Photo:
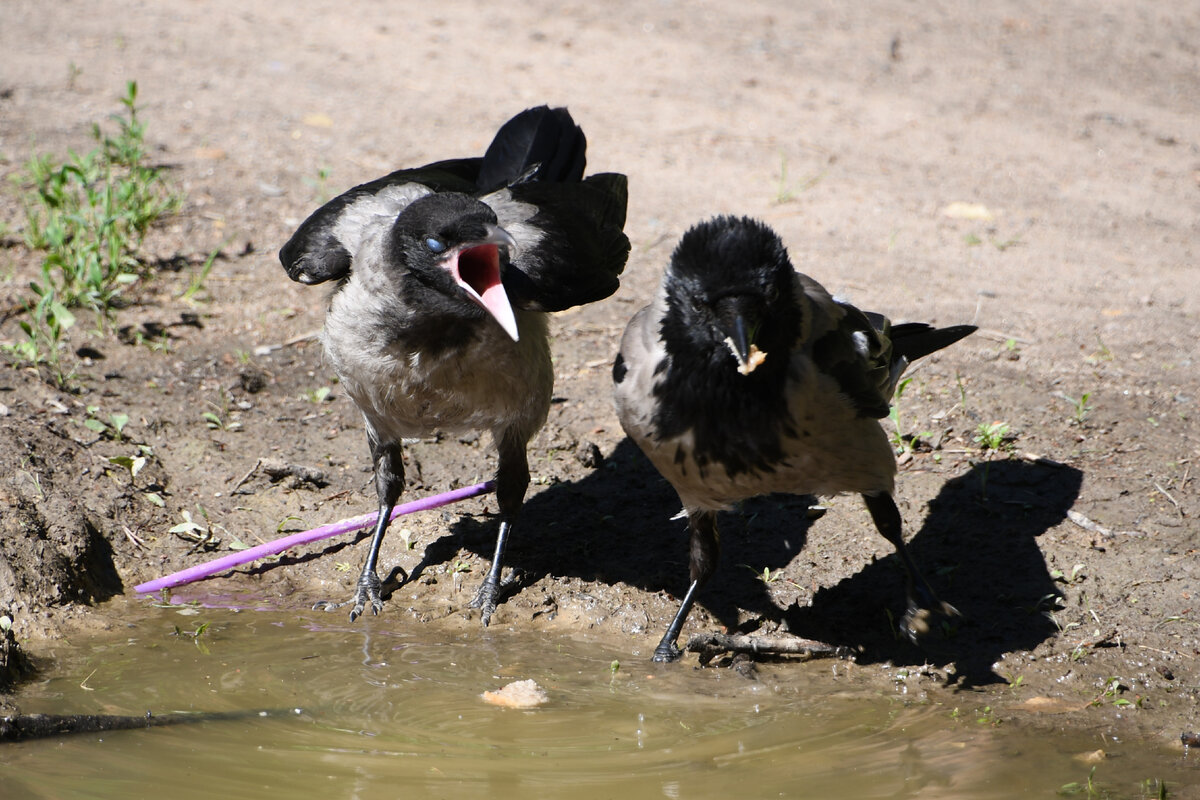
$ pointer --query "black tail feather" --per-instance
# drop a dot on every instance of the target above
(541, 144)
(912, 340)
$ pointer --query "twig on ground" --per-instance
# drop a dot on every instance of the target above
(1167, 495)
(133, 537)
(1095, 527)
(710, 645)
(245, 477)
(1034, 458)
(1000, 336)
(265, 349)
(1096, 641)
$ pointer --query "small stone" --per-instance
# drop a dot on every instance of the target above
(589, 455)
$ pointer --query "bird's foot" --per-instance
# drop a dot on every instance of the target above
(365, 596)
(922, 619)
(486, 598)
(492, 591)
(667, 652)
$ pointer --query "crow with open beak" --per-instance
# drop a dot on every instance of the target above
(745, 377)
(444, 276)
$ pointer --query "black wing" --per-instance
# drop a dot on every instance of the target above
(867, 354)
(582, 248)
(858, 355)
(539, 144)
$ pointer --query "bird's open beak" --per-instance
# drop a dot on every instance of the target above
(475, 267)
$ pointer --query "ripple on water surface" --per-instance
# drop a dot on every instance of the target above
(388, 711)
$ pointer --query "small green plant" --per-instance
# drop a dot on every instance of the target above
(1081, 406)
(204, 535)
(901, 442)
(986, 716)
(218, 419)
(195, 635)
(765, 575)
(283, 523)
(991, 436)
(111, 429)
(197, 282)
(1074, 787)
(45, 336)
(786, 192)
(1154, 788)
(320, 185)
(962, 390)
(1061, 577)
(133, 464)
(216, 423)
(90, 213)
(1113, 688)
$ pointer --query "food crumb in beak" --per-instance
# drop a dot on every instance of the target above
(753, 360)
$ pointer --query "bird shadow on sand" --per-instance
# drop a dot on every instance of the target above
(614, 527)
(976, 545)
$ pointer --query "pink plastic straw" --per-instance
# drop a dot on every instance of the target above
(324, 532)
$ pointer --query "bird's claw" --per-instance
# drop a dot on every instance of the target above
(328, 605)
(365, 596)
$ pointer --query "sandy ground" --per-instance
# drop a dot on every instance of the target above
(1074, 134)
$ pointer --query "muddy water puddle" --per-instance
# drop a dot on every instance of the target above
(387, 708)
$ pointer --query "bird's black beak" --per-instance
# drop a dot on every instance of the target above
(475, 267)
(739, 324)
(739, 339)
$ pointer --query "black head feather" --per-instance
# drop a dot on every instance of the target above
(422, 234)
(723, 269)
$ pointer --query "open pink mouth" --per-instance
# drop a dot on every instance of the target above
(477, 271)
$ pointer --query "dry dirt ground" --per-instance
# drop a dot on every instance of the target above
(853, 131)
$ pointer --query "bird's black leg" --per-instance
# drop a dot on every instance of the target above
(923, 604)
(705, 550)
(512, 479)
(389, 483)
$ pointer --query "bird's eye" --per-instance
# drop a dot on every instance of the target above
(435, 245)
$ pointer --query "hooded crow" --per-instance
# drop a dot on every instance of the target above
(443, 277)
(745, 377)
